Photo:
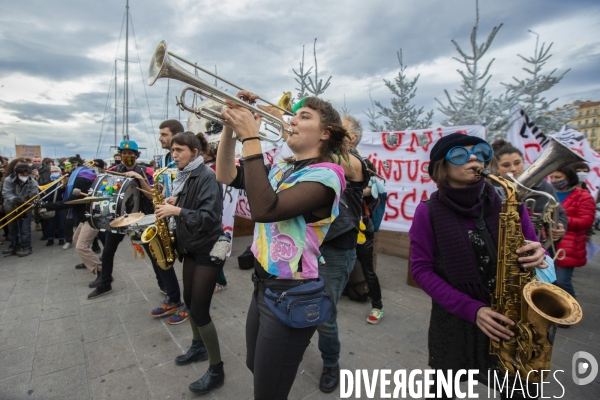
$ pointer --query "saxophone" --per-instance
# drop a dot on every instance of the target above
(535, 307)
(158, 237)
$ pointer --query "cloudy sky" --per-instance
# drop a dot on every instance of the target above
(57, 57)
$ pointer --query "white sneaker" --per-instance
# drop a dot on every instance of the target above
(66, 246)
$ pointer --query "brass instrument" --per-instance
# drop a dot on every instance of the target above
(534, 306)
(158, 237)
(161, 66)
(555, 156)
(42, 189)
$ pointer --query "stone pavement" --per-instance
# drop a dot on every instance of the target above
(55, 343)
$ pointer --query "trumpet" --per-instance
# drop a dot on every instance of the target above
(162, 66)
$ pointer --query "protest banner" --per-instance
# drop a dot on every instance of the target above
(524, 135)
(24, 150)
(402, 159)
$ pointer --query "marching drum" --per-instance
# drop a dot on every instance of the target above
(120, 196)
(136, 229)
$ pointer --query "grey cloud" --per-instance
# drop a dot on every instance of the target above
(256, 49)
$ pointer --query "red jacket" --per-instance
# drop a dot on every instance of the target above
(581, 211)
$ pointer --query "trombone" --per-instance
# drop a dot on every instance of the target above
(162, 66)
(42, 189)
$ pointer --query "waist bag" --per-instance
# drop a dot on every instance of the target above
(301, 306)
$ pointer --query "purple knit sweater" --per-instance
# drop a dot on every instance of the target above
(422, 259)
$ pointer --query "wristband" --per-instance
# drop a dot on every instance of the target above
(250, 138)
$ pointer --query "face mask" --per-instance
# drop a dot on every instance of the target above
(560, 185)
(129, 161)
(117, 162)
(54, 176)
(23, 178)
(582, 176)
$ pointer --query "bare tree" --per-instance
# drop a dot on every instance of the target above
(472, 103)
(307, 84)
(529, 90)
(402, 115)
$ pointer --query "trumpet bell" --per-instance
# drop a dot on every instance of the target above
(162, 66)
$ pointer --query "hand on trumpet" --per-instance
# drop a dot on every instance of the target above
(244, 123)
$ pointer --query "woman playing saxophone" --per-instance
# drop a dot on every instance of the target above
(453, 260)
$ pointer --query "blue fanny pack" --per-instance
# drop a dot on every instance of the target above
(302, 306)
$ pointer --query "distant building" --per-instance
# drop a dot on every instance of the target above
(587, 121)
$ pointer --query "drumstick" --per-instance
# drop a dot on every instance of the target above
(77, 192)
(144, 190)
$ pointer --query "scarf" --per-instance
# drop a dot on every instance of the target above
(452, 208)
(183, 174)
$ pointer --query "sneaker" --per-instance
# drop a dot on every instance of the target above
(24, 253)
(375, 316)
(38, 227)
(50, 242)
(180, 316)
(11, 250)
(166, 307)
(61, 242)
(219, 288)
(100, 291)
(80, 266)
(67, 246)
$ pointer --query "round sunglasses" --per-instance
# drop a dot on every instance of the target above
(459, 155)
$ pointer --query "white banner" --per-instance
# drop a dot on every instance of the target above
(525, 136)
(402, 159)
(230, 201)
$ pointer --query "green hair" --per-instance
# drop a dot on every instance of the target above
(299, 105)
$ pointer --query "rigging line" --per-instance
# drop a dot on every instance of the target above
(141, 116)
(142, 74)
(105, 108)
(100, 142)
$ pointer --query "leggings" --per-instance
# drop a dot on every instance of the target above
(199, 279)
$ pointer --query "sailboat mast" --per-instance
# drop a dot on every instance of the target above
(126, 133)
(115, 103)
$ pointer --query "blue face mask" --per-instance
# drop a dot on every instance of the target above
(55, 176)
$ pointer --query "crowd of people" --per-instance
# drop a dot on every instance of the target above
(312, 223)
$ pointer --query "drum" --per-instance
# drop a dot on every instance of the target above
(135, 230)
(121, 196)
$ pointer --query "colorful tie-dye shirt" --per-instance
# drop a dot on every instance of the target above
(279, 246)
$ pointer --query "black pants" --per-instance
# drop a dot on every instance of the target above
(364, 254)
(274, 350)
(166, 279)
(111, 244)
(199, 279)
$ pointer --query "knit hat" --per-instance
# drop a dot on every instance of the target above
(443, 145)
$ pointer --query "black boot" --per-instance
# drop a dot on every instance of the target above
(196, 352)
(330, 379)
(212, 379)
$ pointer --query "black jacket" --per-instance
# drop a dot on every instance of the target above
(343, 230)
(78, 209)
(199, 223)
